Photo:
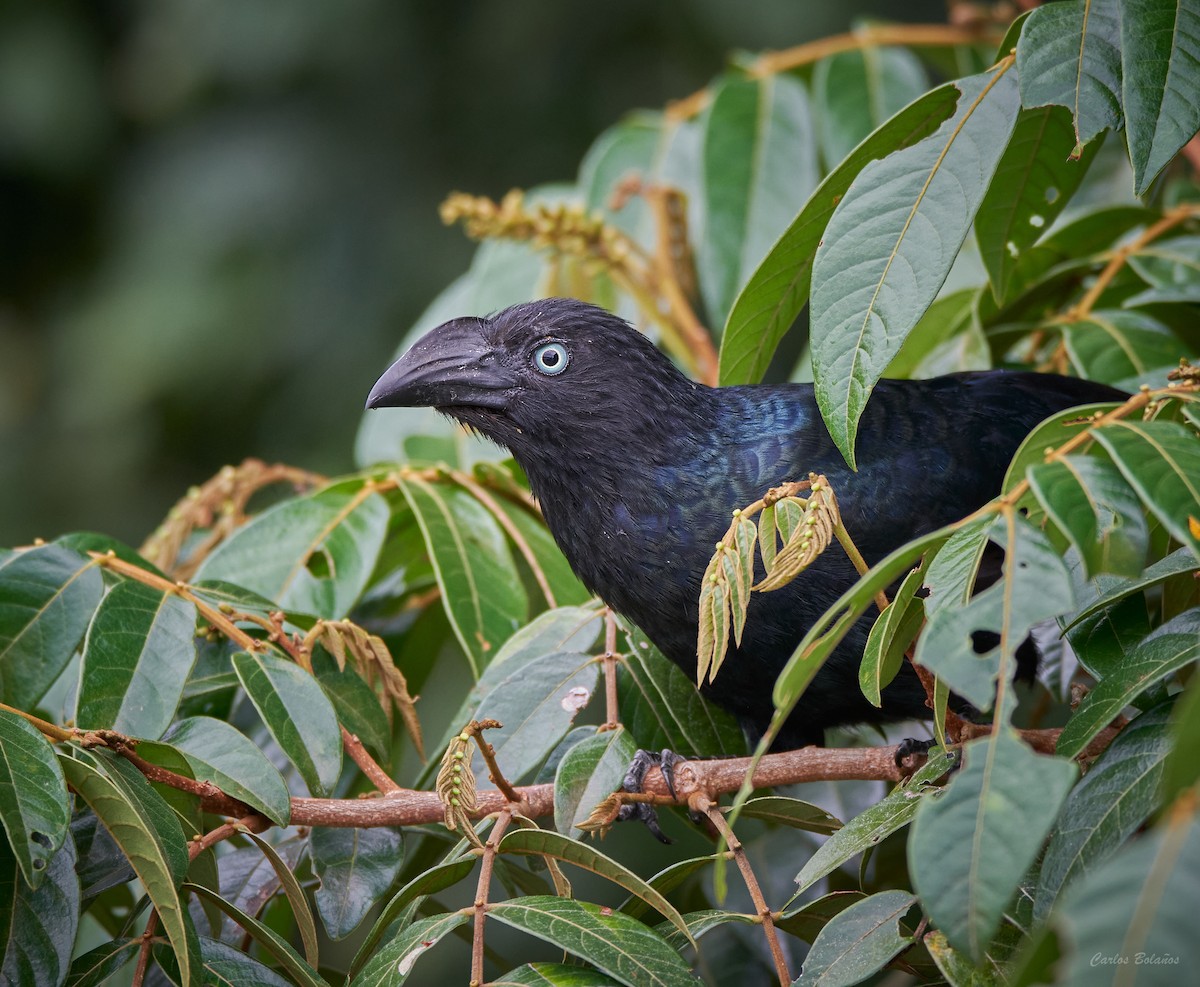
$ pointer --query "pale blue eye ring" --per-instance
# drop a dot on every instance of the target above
(551, 359)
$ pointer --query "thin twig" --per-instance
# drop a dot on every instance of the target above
(143, 960)
(612, 718)
(702, 804)
(366, 763)
(479, 907)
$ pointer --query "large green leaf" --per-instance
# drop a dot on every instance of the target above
(857, 942)
(948, 338)
(779, 289)
(560, 847)
(614, 943)
(1160, 62)
(1122, 347)
(1171, 268)
(1133, 920)
(38, 926)
(313, 553)
(223, 755)
(47, 596)
(298, 714)
(1164, 650)
(1036, 177)
(481, 588)
(628, 148)
(760, 164)
(854, 92)
(891, 242)
(139, 651)
(661, 707)
(148, 833)
(33, 796)
(1035, 586)
(356, 867)
(970, 848)
(589, 772)
(1070, 55)
(564, 585)
(1090, 502)
(869, 828)
(1161, 461)
(391, 966)
(1117, 795)
(536, 705)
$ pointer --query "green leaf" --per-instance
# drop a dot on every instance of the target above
(434, 879)
(296, 900)
(313, 553)
(1160, 61)
(871, 826)
(270, 940)
(611, 941)
(1122, 347)
(297, 713)
(33, 796)
(1161, 461)
(47, 596)
(779, 288)
(228, 966)
(356, 704)
(564, 585)
(553, 975)
(760, 164)
(1182, 769)
(890, 636)
(1118, 794)
(1091, 504)
(854, 92)
(661, 707)
(1070, 55)
(1035, 586)
(392, 964)
(1050, 434)
(481, 588)
(1133, 917)
(1163, 651)
(140, 648)
(792, 812)
(536, 705)
(1171, 268)
(948, 338)
(858, 942)
(891, 242)
(541, 842)
(1036, 177)
(95, 966)
(589, 772)
(627, 148)
(957, 969)
(970, 848)
(1114, 589)
(807, 921)
(219, 753)
(147, 832)
(38, 927)
(356, 867)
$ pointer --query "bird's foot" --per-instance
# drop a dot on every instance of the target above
(910, 746)
(642, 762)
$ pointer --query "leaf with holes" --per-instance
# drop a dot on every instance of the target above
(33, 796)
(313, 553)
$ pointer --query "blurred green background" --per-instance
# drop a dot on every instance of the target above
(219, 217)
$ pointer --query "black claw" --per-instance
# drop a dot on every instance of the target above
(909, 746)
(643, 761)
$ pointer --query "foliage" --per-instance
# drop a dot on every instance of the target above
(187, 728)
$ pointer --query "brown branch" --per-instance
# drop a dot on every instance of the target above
(481, 894)
(489, 757)
(702, 804)
(366, 763)
(143, 960)
(253, 822)
(612, 714)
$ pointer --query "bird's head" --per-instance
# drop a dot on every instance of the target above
(538, 377)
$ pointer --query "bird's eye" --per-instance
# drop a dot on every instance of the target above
(550, 359)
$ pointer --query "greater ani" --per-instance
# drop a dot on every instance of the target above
(637, 470)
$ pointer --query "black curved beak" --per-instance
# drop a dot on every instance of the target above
(450, 366)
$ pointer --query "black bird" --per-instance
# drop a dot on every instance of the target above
(637, 469)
